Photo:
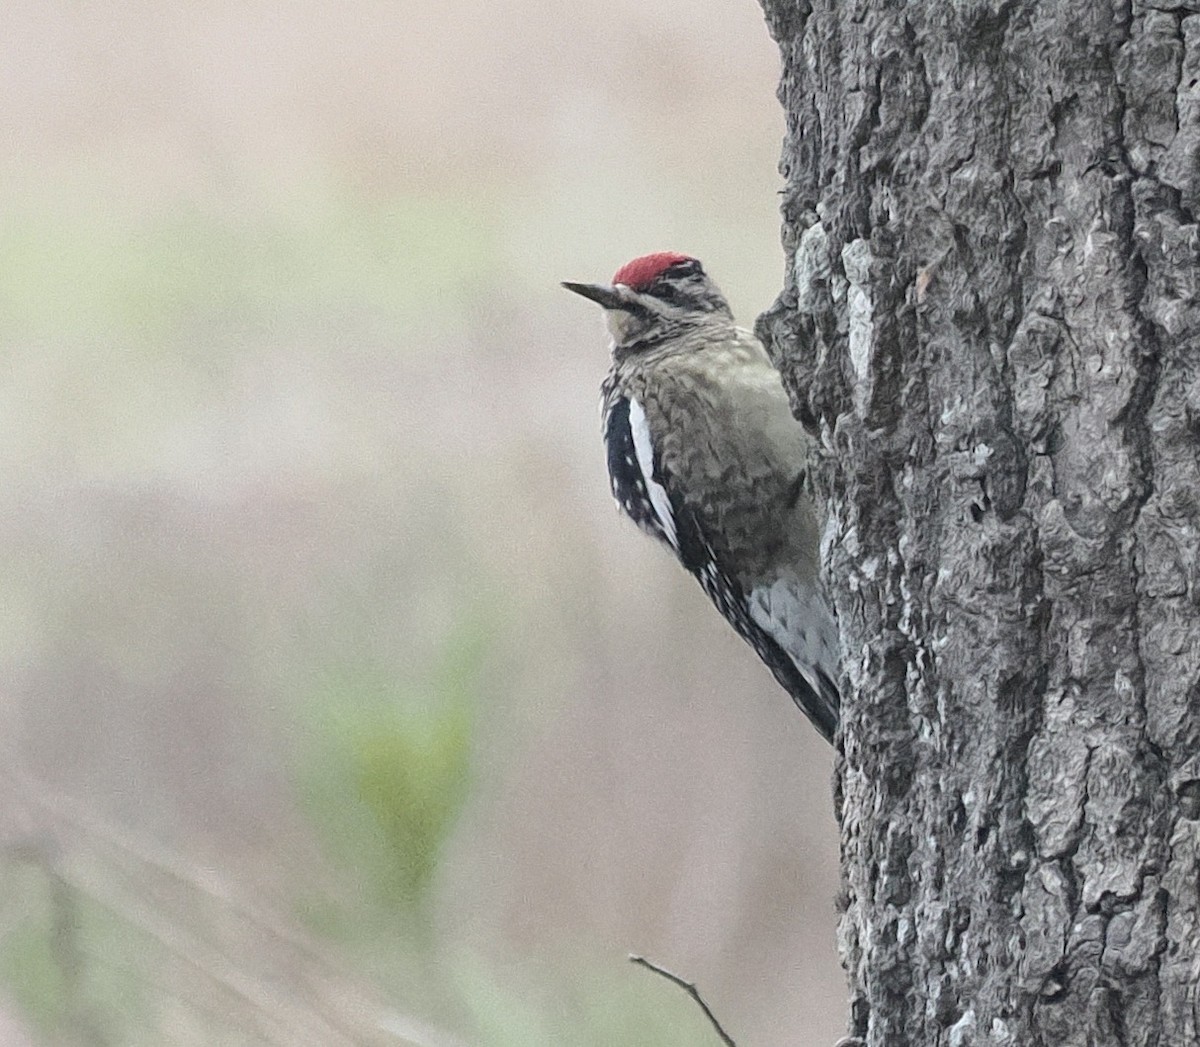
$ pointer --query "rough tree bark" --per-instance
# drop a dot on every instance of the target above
(991, 315)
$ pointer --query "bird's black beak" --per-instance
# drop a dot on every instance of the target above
(602, 294)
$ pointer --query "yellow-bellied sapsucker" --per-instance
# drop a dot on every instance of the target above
(705, 455)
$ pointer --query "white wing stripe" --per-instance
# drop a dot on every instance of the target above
(645, 456)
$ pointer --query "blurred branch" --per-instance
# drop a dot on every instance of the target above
(265, 1007)
(691, 990)
(149, 856)
(82, 1022)
(278, 980)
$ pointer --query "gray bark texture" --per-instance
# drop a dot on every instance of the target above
(991, 316)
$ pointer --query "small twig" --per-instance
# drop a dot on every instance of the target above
(691, 990)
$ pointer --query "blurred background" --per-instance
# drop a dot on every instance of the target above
(338, 704)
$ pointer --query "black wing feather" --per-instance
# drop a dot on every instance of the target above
(697, 554)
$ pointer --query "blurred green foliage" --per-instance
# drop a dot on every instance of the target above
(28, 966)
(388, 768)
(74, 265)
(68, 963)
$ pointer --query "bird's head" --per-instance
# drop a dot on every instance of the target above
(655, 297)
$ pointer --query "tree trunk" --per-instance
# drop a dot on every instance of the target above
(991, 314)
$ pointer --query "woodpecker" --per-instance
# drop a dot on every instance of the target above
(705, 456)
